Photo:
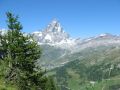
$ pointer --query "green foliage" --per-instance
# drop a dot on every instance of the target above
(98, 66)
(19, 54)
(62, 78)
(114, 87)
(50, 84)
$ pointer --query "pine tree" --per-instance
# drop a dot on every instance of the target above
(20, 53)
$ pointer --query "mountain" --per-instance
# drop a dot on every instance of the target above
(54, 35)
(88, 64)
(79, 64)
(100, 40)
(94, 68)
(55, 43)
(59, 48)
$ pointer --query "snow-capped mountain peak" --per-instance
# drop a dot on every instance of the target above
(53, 34)
(105, 35)
(54, 26)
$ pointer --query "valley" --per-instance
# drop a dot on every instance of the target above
(79, 64)
(88, 64)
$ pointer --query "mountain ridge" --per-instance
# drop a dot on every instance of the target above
(79, 64)
(58, 46)
(54, 35)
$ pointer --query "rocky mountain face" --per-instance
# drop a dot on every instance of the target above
(55, 43)
(79, 64)
(59, 48)
(54, 35)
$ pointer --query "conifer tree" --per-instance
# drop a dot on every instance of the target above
(20, 53)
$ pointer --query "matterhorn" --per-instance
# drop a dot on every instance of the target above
(54, 35)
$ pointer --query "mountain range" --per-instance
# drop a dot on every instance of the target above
(79, 64)
(60, 48)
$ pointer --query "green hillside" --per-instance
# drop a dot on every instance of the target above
(51, 56)
(96, 69)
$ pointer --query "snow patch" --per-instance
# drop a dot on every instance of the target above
(48, 37)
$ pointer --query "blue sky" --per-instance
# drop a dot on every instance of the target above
(80, 18)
